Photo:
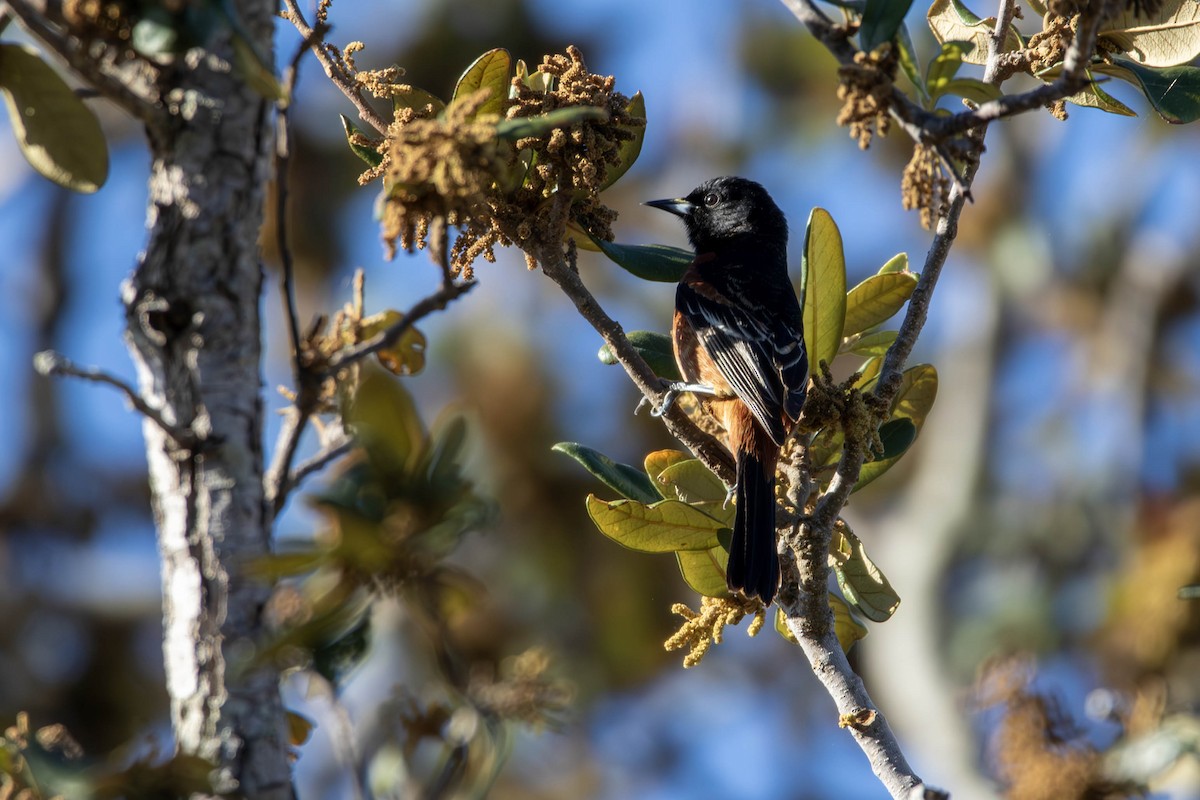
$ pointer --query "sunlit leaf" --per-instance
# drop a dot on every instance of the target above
(540, 125)
(823, 282)
(945, 64)
(630, 149)
(869, 373)
(950, 21)
(693, 483)
(651, 262)
(1092, 96)
(897, 263)
(417, 99)
(490, 71)
(971, 88)
(880, 20)
(1165, 38)
(1173, 91)
(406, 356)
(876, 300)
(864, 586)
(661, 527)
(660, 460)
(354, 135)
(655, 348)
(871, 344)
(704, 570)
(629, 482)
(58, 134)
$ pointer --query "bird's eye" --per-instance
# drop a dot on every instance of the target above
(711, 199)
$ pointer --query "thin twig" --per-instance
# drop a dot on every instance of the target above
(282, 163)
(449, 292)
(331, 452)
(51, 363)
(929, 128)
(276, 483)
(704, 446)
(125, 83)
(342, 81)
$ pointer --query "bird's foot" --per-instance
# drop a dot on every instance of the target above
(672, 390)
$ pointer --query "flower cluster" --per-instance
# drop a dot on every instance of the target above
(865, 89)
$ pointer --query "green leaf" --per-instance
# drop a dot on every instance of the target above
(875, 343)
(627, 481)
(880, 21)
(1167, 37)
(876, 300)
(406, 356)
(490, 71)
(896, 435)
(907, 55)
(536, 80)
(693, 483)
(655, 348)
(864, 586)
(897, 263)
(418, 100)
(662, 527)
(848, 629)
(630, 149)
(869, 373)
(1092, 96)
(918, 390)
(950, 21)
(1174, 91)
(384, 417)
(650, 262)
(370, 155)
(660, 460)
(540, 125)
(59, 136)
(823, 286)
(704, 570)
(945, 64)
(970, 88)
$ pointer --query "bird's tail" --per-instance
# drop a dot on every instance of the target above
(753, 565)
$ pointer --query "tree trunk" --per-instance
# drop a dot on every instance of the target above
(193, 329)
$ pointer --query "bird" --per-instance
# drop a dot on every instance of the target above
(738, 339)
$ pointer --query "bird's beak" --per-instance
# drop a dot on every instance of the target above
(679, 206)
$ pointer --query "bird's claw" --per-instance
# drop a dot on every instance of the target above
(671, 391)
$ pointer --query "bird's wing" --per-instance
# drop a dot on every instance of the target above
(754, 349)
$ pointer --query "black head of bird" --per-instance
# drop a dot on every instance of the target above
(728, 210)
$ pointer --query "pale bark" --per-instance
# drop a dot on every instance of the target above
(194, 331)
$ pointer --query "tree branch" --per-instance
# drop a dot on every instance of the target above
(50, 363)
(929, 128)
(340, 79)
(805, 543)
(702, 445)
(125, 83)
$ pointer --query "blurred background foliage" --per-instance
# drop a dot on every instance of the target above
(1038, 534)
